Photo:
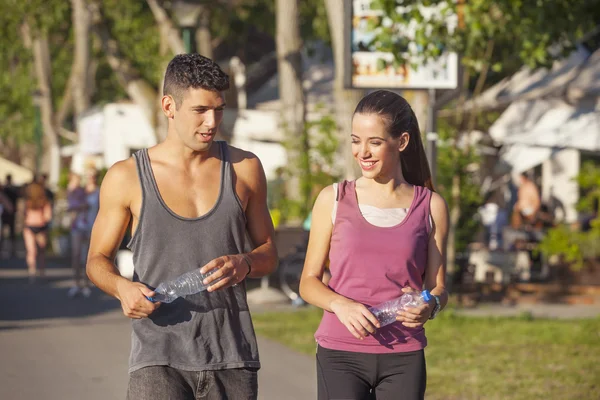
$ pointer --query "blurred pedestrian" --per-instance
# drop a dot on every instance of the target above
(384, 234)
(42, 179)
(6, 207)
(38, 215)
(77, 207)
(11, 192)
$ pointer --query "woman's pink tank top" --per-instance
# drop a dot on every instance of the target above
(371, 264)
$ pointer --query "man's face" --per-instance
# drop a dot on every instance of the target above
(198, 117)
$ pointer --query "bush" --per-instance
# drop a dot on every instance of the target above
(575, 246)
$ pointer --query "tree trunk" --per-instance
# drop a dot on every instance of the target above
(203, 34)
(345, 99)
(81, 63)
(168, 30)
(455, 190)
(162, 124)
(139, 90)
(41, 60)
(291, 93)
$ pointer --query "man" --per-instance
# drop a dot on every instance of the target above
(191, 201)
(11, 193)
(528, 199)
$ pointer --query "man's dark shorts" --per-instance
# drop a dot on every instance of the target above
(163, 382)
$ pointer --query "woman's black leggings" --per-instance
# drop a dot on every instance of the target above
(345, 375)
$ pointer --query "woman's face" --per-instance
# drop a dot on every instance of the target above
(375, 150)
(90, 176)
(74, 180)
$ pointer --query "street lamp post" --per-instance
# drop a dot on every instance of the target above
(187, 13)
(37, 128)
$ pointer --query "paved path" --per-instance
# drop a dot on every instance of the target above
(52, 347)
(55, 348)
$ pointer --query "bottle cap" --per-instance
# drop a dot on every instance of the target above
(426, 295)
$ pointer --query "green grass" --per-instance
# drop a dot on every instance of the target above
(484, 358)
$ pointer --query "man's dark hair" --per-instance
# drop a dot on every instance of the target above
(193, 71)
(8, 178)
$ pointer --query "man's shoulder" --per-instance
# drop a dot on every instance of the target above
(247, 167)
(122, 174)
(244, 161)
(238, 155)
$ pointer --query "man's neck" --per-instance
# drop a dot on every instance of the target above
(179, 153)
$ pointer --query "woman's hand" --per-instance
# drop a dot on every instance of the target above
(355, 317)
(415, 317)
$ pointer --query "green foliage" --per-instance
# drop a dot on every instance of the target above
(522, 32)
(17, 81)
(133, 26)
(130, 22)
(234, 23)
(589, 183)
(313, 21)
(455, 161)
(572, 246)
(314, 170)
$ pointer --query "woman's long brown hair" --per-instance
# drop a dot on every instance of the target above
(399, 117)
(36, 196)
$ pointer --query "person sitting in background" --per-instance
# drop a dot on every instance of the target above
(528, 200)
(38, 214)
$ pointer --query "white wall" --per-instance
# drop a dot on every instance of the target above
(558, 180)
(258, 131)
(125, 128)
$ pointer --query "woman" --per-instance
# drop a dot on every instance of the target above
(384, 234)
(85, 203)
(38, 214)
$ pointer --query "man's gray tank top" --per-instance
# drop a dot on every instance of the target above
(205, 331)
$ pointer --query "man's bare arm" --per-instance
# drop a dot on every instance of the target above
(108, 231)
(260, 226)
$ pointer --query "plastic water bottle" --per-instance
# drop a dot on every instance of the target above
(386, 312)
(183, 285)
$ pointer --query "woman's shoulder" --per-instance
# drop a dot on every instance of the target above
(438, 207)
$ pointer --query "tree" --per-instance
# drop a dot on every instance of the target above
(291, 93)
(81, 63)
(345, 99)
(494, 40)
(138, 88)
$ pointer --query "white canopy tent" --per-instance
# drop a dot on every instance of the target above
(551, 133)
(532, 130)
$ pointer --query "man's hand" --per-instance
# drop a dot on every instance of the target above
(133, 299)
(356, 317)
(415, 317)
(228, 271)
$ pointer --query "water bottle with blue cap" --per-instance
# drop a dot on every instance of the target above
(387, 312)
